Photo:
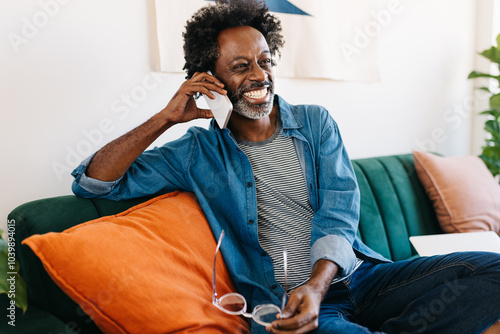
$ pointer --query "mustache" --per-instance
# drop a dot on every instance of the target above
(237, 96)
(242, 90)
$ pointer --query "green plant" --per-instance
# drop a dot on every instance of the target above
(491, 149)
(10, 282)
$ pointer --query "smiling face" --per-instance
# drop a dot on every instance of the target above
(245, 67)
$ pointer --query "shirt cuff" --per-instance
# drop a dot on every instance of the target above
(336, 249)
(91, 185)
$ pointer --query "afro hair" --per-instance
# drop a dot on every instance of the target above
(202, 30)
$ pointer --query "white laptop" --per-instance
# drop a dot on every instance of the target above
(438, 244)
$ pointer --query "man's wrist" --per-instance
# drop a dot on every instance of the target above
(163, 119)
(323, 273)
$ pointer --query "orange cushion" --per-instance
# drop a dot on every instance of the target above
(464, 193)
(145, 270)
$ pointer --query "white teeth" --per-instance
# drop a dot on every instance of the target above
(256, 94)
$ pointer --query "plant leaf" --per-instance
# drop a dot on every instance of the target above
(3, 266)
(484, 88)
(493, 127)
(21, 299)
(476, 74)
(21, 296)
(492, 112)
(492, 152)
(495, 101)
(491, 157)
(492, 54)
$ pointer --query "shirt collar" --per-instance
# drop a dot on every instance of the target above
(289, 119)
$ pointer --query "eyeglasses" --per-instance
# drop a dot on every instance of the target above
(236, 304)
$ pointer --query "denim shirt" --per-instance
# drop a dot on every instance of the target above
(209, 163)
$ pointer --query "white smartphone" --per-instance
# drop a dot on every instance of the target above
(221, 107)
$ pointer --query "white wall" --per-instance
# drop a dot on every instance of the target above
(487, 29)
(86, 75)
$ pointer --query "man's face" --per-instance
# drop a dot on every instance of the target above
(244, 66)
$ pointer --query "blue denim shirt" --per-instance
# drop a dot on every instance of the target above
(209, 163)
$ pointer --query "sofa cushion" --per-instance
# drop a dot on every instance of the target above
(57, 214)
(394, 205)
(465, 195)
(146, 270)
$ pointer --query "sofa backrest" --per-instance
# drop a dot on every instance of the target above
(394, 205)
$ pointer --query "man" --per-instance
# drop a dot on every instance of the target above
(278, 177)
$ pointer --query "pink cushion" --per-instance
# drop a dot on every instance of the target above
(464, 193)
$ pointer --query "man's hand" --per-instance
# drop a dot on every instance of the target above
(302, 311)
(182, 107)
(113, 160)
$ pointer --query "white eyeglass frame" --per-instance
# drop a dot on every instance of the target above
(270, 307)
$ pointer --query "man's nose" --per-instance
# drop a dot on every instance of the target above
(258, 74)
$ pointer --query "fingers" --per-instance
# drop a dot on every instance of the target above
(293, 330)
(205, 113)
(203, 76)
(182, 107)
(301, 323)
(299, 316)
(291, 307)
(205, 83)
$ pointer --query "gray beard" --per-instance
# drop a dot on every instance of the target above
(251, 111)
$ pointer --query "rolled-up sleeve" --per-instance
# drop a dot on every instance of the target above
(336, 249)
(85, 186)
(156, 171)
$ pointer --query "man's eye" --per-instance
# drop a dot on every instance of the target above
(240, 66)
(266, 62)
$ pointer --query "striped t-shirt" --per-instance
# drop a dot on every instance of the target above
(283, 207)
(284, 211)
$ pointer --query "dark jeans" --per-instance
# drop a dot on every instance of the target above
(456, 293)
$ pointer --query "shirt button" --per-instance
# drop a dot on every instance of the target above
(249, 184)
(250, 221)
(263, 254)
(274, 286)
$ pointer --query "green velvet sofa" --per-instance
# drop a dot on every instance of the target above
(394, 206)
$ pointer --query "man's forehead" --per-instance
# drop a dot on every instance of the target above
(240, 39)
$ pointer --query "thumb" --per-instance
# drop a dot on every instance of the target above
(291, 307)
(205, 113)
